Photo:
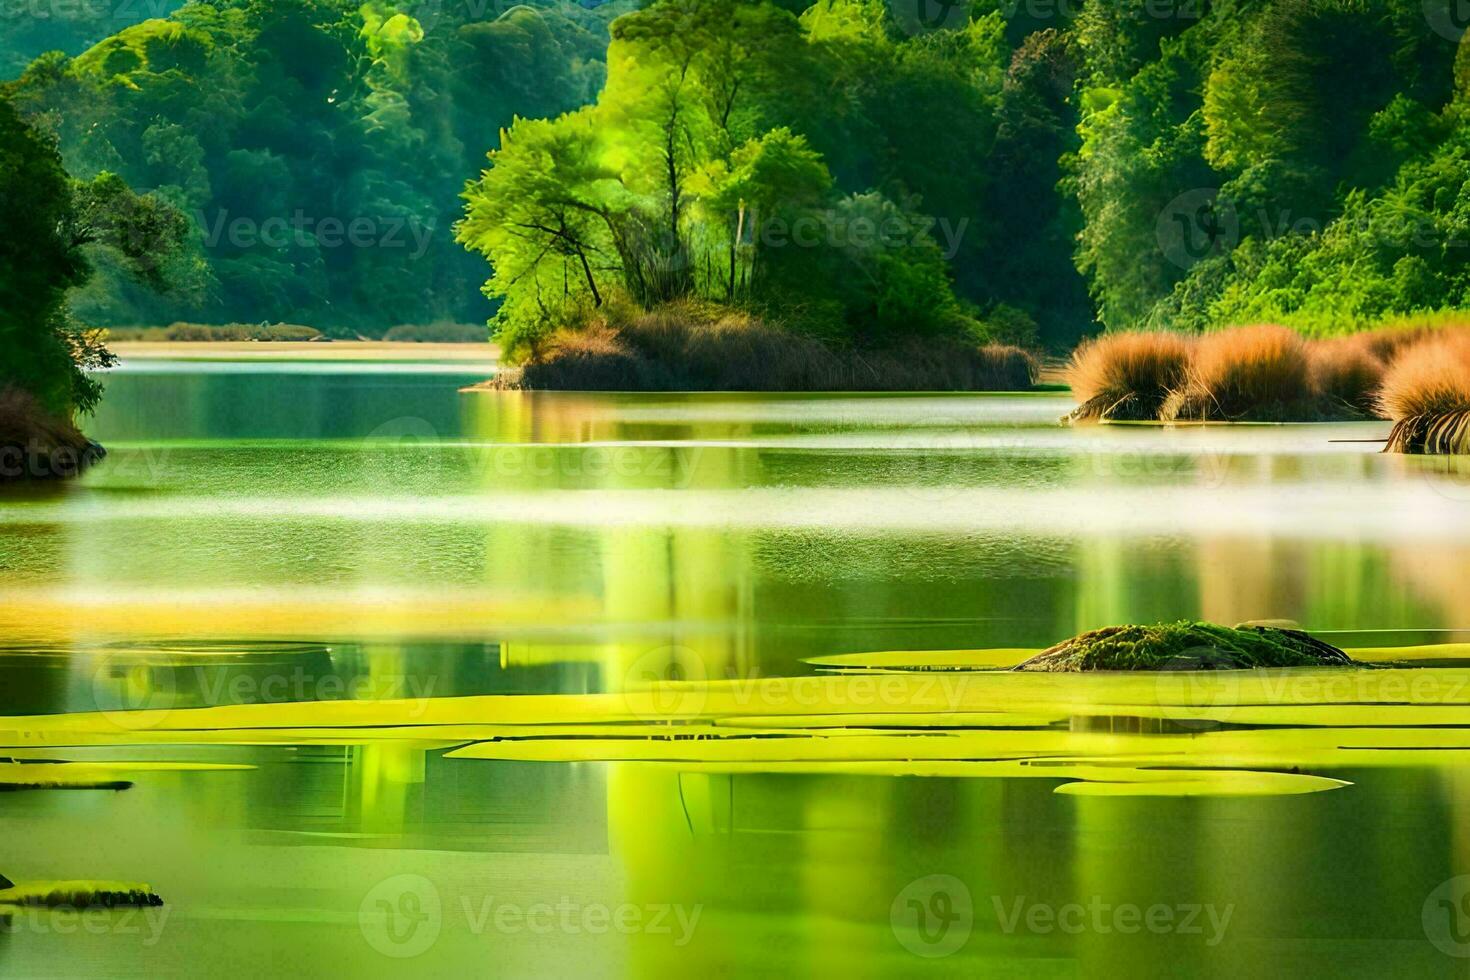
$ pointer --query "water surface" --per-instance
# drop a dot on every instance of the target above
(262, 537)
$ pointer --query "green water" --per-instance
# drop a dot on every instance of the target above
(266, 534)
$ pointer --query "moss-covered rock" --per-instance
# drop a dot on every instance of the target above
(1187, 646)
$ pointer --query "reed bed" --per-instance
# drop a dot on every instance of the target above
(1127, 376)
(1248, 374)
(1415, 374)
(1426, 393)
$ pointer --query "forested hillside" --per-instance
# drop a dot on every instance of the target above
(1039, 167)
(30, 28)
(320, 147)
(1272, 159)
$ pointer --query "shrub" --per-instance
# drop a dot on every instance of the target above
(1248, 374)
(289, 332)
(1392, 337)
(698, 347)
(197, 333)
(1430, 378)
(439, 333)
(1008, 325)
(1127, 376)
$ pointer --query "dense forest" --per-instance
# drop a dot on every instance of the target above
(851, 169)
(318, 146)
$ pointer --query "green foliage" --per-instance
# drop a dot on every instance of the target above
(1142, 163)
(212, 333)
(1293, 161)
(826, 172)
(317, 145)
(438, 333)
(33, 28)
(47, 222)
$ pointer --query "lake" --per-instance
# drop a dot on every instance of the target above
(512, 684)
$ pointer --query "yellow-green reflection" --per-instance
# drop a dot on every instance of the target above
(340, 629)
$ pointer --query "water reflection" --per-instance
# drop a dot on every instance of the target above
(352, 537)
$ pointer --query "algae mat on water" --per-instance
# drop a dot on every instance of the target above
(1215, 733)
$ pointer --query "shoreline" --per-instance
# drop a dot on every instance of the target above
(337, 350)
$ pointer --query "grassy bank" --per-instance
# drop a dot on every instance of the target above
(38, 445)
(691, 348)
(1415, 373)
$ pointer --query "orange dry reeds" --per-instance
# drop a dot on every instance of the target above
(1256, 374)
(1127, 376)
(1431, 378)
(1388, 341)
(1426, 392)
(1345, 376)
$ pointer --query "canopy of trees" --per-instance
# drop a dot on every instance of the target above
(1296, 160)
(318, 146)
(29, 28)
(826, 169)
(851, 168)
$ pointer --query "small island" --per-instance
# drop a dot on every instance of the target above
(1186, 646)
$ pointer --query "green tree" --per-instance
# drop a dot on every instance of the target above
(47, 222)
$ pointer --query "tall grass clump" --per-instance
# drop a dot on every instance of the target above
(1247, 374)
(1127, 376)
(1346, 375)
(1426, 393)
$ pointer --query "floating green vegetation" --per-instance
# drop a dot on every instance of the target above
(1186, 646)
(75, 895)
(1224, 732)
